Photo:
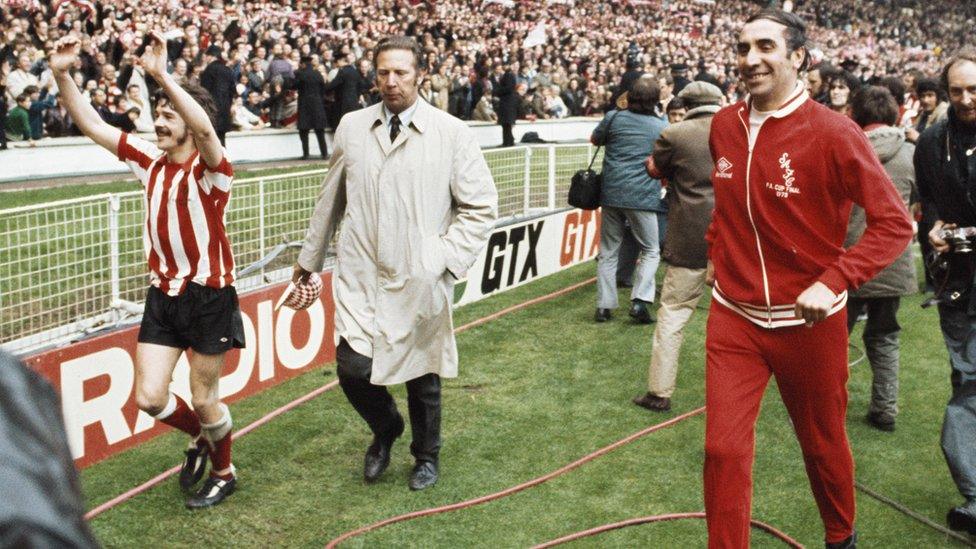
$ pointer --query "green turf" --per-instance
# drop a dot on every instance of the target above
(538, 389)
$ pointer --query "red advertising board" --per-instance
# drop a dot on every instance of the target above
(96, 376)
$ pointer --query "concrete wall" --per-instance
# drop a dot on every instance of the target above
(74, 156)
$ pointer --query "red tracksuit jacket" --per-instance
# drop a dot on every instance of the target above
(782, 208)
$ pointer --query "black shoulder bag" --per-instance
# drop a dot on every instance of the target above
(584, 188)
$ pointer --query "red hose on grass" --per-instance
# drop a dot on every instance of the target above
(238, 434)
(121, 498)
(515, 489)
(662, 518)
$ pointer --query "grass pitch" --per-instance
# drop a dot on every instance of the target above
(538, 389)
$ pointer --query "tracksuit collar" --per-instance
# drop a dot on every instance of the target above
(797, 98)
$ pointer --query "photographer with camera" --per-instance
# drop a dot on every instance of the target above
(945, 168)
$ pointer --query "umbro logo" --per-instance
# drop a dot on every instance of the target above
(724, 168)
(223, 340)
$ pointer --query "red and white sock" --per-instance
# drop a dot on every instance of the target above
(177, 413)
(220, 436)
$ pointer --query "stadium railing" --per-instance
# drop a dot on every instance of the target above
(76, 267)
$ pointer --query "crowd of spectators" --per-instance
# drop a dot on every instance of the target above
(568, 56)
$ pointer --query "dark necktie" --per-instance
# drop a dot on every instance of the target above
(394, 128)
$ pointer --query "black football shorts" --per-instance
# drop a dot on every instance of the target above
(207, 320)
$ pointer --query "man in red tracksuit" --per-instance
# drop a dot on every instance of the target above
(786, 172)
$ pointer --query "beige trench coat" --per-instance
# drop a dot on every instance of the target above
(442, 90)
(415, 214)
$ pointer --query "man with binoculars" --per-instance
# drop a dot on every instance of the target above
(945, 167)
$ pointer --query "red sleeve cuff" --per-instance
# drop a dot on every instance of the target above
(834, 280)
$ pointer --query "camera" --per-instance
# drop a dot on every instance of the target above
(960, 240)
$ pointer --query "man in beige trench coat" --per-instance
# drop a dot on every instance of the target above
(417, 204)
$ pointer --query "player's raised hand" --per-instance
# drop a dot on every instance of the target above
(65, 54)
(154, 60)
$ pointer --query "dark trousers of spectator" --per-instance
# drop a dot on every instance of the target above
(508, 139)
(881, 345)
(3, 138)
(375, 404)
(319, 136)
(222, 136)
(627, 259)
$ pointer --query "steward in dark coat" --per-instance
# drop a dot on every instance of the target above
(507, 98)
(218, 79)
(311, 98)
(348, 84)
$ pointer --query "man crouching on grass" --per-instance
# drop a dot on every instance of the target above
(191, 302)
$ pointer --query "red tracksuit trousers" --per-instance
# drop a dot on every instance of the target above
(810, 366)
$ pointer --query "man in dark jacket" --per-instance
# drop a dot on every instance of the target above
(874, 109)
(311, 105)
(218, 79)
(945, 169)
(626, 81)
(348, 85)
(679, 71)
(681, 157)
(508, 102)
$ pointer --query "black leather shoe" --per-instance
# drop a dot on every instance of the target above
(378, 454)
(640, 313)
(653, 403)
(214, 491)
(194, 465)
(424, 475)
(602, 315)
(882, 422)
(963, 517)
(849, 543)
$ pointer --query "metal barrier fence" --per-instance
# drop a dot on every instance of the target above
(71, 267)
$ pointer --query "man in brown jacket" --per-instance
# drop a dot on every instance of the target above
(681, 157)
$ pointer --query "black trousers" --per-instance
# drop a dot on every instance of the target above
(376, 405)
(627, 259)
(508, 139)
(319, 136)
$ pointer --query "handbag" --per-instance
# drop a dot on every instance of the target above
(584, 188)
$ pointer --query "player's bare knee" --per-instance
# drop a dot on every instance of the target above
(151, 402)
(204, 402)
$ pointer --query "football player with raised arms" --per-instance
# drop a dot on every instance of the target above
(191, 302)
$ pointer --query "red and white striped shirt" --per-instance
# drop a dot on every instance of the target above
(185, 237)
